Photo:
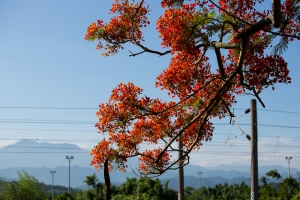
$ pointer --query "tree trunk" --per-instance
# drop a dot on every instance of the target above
(107, 180)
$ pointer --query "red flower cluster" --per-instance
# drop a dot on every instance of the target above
(202, 91)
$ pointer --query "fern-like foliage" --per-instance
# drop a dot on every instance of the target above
(281, 46)
(213, 29)
(177, 3)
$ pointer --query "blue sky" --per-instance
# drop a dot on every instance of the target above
(45, 62)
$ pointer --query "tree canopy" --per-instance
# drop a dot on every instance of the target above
(239, 34)
(27, 188)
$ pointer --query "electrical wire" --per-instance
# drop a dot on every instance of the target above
(47, 130)
(95, 108)
(270, 110)
(95, 131)
(47, 108)
(218, 153)
(279, 111)
(21, 121)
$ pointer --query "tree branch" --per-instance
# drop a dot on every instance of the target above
(245, 22)
(257, 96)
(227, 108)
(151, 51)
(212, 103)
(220, 62)
(137, 10)
(107, 180)
(256, 27)
(135, 54)
(276, 12)
(222, 90)
(220, 45)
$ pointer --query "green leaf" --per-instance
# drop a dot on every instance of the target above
(281, 46)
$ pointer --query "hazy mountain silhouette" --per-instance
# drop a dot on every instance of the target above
(38, 158)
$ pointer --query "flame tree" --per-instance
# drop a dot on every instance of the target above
(238, 34)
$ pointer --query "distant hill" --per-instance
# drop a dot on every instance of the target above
(30, 153)
(78, 175)
(205, 182)
(39, 158)
(61, 175)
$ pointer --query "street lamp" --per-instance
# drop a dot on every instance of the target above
(200, 179)
(52, 172)
(69, 158)
(289, 159)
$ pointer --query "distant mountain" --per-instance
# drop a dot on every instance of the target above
(262, 170)
(191, 170)
(38, 158)
(61, 176)
(30, 153)
(78, 175)
(205, 182)
(234, 166)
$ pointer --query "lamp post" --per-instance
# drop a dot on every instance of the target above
(69, 158)
(52, 172)
(289, 159)
(200, 179)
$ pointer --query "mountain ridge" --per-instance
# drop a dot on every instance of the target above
(38, 158)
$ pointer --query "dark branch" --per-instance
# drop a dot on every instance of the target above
(152, 51)
(245, 22)
(137, 10)
(107, 180)
(257, 96)
(222, 91)
(256, 27)
(135, 54)
(227, 108)
(283, 35)
(276, 12)
(220, 62)
(221, 45)
(207, 110)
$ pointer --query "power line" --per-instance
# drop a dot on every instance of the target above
(210, 143)
(50, 140)
(93, 122)
(263, 154)
(95, 131)
(95, 108)
(279, 111)
(270, 110)
(266, 125)
(46, 130)
(47, 108)
(35, 147)
(47, 122)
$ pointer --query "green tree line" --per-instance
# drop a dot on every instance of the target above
(29, 188)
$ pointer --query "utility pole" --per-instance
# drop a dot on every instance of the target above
(199, 179)
(52, 172)
(289, 160)
(254, 157)
(298, 177)
(180, 171)
(69, 158)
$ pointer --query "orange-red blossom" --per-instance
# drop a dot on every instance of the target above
(130, 119)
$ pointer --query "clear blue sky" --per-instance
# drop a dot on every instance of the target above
(45, 62)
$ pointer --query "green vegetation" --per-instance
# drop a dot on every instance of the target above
(132, 189)
(30, 188)
(27, 188)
